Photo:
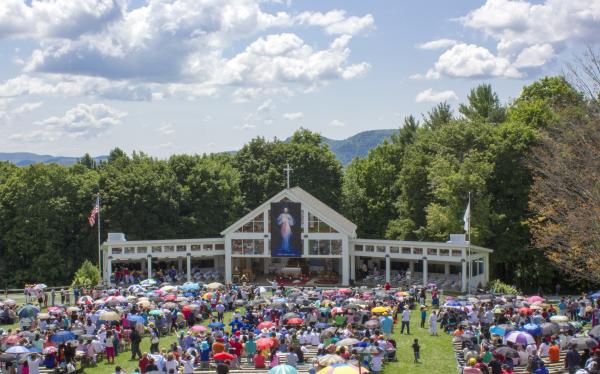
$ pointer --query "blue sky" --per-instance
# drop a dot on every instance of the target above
(195, 76)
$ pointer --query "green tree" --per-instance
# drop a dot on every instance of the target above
(87, 275)
(483, 105)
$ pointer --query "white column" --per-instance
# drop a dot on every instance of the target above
(179, 264)
(425, 271)
(143, 266)
(388, 268)
(149, 267)
(228, 260)
(486, 268)
(446, 269)
(109, 268)
(189, 267)
(345, 263)
(463, 277)
(352, 266)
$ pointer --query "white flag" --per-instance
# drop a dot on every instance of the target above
(467, 217)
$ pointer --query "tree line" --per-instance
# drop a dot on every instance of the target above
(413, 187)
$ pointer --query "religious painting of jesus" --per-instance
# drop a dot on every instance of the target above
(286, 238)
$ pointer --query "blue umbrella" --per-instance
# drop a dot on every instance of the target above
(216, 325)
(62, 336)
(28, 311)
(497, 331)
(532, 329)
(452, 303)
(17, 349)
(188, 294)
(322, 325)
(191, 287)
(135, 318)
(595, 295)
(283, 369)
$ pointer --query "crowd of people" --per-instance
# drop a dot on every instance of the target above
(504, 335)
(301, 327)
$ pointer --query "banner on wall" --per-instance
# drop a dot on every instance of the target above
(286, 229)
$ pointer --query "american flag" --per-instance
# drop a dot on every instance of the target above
(94, 212)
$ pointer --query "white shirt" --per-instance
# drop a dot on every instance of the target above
(406, 315)
(34, 365)
(188, 366)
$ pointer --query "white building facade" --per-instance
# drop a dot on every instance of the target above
(329, 243)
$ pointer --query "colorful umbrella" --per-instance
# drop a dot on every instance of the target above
(347, 342)
(49, 350)
(135, 318)
(520, 337)
(190, 287)
(199, 328)
(532, 329)
(534, 299)
(214, 286)
(28, 311)
(62, 337)
(223, 356)
(156, 312)
(216, 325)
(17, 349)
(283, 369)
(265, 325)
(343, 368)
(295, 321)
(583, 343)
(327, 360)
(557, 319)
(264, 343)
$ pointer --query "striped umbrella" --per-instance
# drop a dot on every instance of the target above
(283, 369)
(520, 337)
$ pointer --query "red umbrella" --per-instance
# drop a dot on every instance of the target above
(264, 343)
(295, 321)
(170, 297)
(11, 339)
(223, 356)
(525, 310)
(345, 290)
(199, 328)
(265, 325)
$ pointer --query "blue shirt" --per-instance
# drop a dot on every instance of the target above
(386, 324)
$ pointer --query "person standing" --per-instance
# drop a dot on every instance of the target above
(136, 339)
(33, 363)
(53, 297)
(416, 350)
(405, 320)
(572, 360)
(433, 323)
(423, 316)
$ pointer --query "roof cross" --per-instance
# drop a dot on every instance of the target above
(288, 169)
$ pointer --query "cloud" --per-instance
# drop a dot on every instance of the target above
(286, 58)
(337, 123)
(58, 18)
(80, 122)
(534, 56)
(431, 96)
(517, 24)
(468, 61)
(8, 111)
(336, 22)
(293, 116)
(166, 129)
(437, 44)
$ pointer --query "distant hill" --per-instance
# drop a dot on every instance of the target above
(26, 158)
(357, 145)
(345, 150)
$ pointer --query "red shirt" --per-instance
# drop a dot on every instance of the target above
(142, 364)
(259, 361)
(237, 348)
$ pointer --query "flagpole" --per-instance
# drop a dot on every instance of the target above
(469, 269)
(99, 243)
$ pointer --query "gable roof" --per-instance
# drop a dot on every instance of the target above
(315, 205)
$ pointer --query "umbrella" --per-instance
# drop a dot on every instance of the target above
(520, 337)
(49, 350)
(324, 325)
(40, 286)
(497, 330)
(265, 325)
(168, 288)
(507, 352)
(11, 339)
(343, 368)
(345, 290)
(283, 369)
(208, 296)
(216, 325)
(190, 287)
(295, 321)
(581, 343)
(595, 331)
(223, 356)
(534, 299)
(73, 309)
(290, 315)
(135, 318)
(532, 329)
(148, 282)
(28, 311)
(557, 319)
(156, 312)
(214, 286)
(372, 323)
(55, 309)
(169, 305)
(199, 328)
(327, 360)
(62, 337)
(368, 349)
(44, 316)
(109, 316)
(549, 328)
(17, 349)
(264, 343)
(379, 309)
(346, 342)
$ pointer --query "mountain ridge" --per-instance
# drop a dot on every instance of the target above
(357, 145)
